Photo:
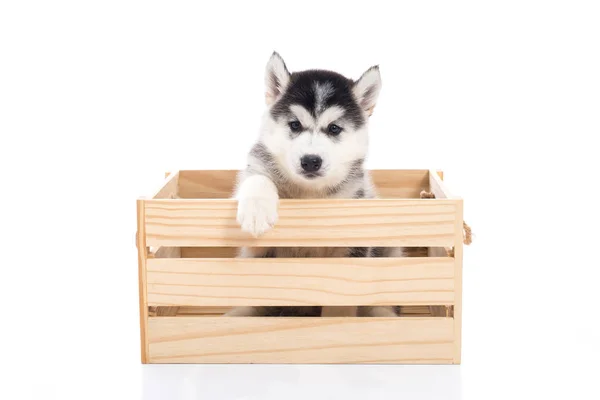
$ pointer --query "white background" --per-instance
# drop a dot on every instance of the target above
(99, 99)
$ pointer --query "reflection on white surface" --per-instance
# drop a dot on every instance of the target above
(249, 382)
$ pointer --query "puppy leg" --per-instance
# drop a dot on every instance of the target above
(258, 201)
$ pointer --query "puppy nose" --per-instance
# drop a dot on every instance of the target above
(311, 162)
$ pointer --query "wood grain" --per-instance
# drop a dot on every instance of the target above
(298, 281)
(400, 184)
(458, 268)
(215, 184)
(207, 184)
(208, 252)
(437, 186)
(439, 310)
(301, 340)
(142, 251)
(372, 222)
(165, 252)
(169, 188)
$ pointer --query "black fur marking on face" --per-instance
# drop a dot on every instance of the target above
(301, 90)
(267, 161)
(356, 169)
(360, 194)
(358, 252)
(260, 152)
(334, 138)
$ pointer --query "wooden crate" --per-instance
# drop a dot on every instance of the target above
(189, 276)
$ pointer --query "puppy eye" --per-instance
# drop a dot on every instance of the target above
(333, 129)
(295, 126)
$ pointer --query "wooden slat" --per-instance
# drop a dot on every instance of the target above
(458, 268)
(400, 184)
(301, 340)
(438, 310)
(207, 184)
(215, 184)
(297, 281)
(375, 222)
(208, 252)
(166, 252)
(437, 186)
(142, 251)
(169, 188)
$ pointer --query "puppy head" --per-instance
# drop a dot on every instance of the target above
(316, 124)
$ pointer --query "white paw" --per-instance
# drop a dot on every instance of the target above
(257, 215)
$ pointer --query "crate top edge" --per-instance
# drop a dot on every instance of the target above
(283, 202)
(423, 170)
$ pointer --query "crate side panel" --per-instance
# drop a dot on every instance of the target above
(301, 340)
(219, 184)
(318, 223)
(300, 281)
(207, 184)
(209, 252)
(402, 184)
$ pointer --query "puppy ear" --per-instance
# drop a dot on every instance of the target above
(367, 89)
(277, 77)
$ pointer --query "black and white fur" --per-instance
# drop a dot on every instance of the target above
(314, 113)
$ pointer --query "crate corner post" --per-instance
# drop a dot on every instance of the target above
(142, 256)
(458, 272)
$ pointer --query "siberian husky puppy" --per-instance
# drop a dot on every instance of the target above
(312, 145)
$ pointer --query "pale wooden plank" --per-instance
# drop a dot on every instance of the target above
(208, 252)
(438, 310)
(458, 271)
(301, 340)
(207, 184)
(166, 252)
(169, 188)
(298, 281)
(437, 187)
(142, 251)
(167, 311)
(400, 184)
(366, 222)
(215, 184)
